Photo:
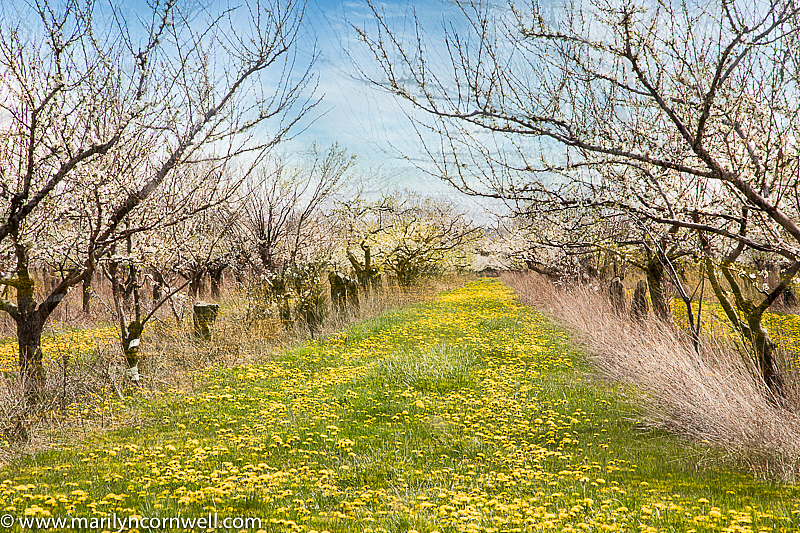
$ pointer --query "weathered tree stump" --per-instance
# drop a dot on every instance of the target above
(640, 308)
(204, 316)
(617, 295)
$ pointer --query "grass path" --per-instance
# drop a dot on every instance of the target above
(469, 413)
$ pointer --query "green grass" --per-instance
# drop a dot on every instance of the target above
(470, 413)
(439, 368)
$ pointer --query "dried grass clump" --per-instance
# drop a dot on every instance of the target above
(714, 396)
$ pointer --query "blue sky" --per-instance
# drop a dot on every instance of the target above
(363, 119)
(367, 122)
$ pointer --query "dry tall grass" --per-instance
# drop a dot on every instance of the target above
(713, 397)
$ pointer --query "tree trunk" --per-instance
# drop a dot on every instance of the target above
(265, 253)
(655, 282)
(30, 320)
(130, 348)
(750, 327)
(352, 293)
(216, 281)
(338, 291)
(86, 293)
(367, 275)
(196, 285)
(639, 308)
(764, 349)
(158, 285)
(616, 292)
(29, 335)
(86, 296)
(281, 296)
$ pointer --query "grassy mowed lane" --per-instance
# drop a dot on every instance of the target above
(469, 413)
